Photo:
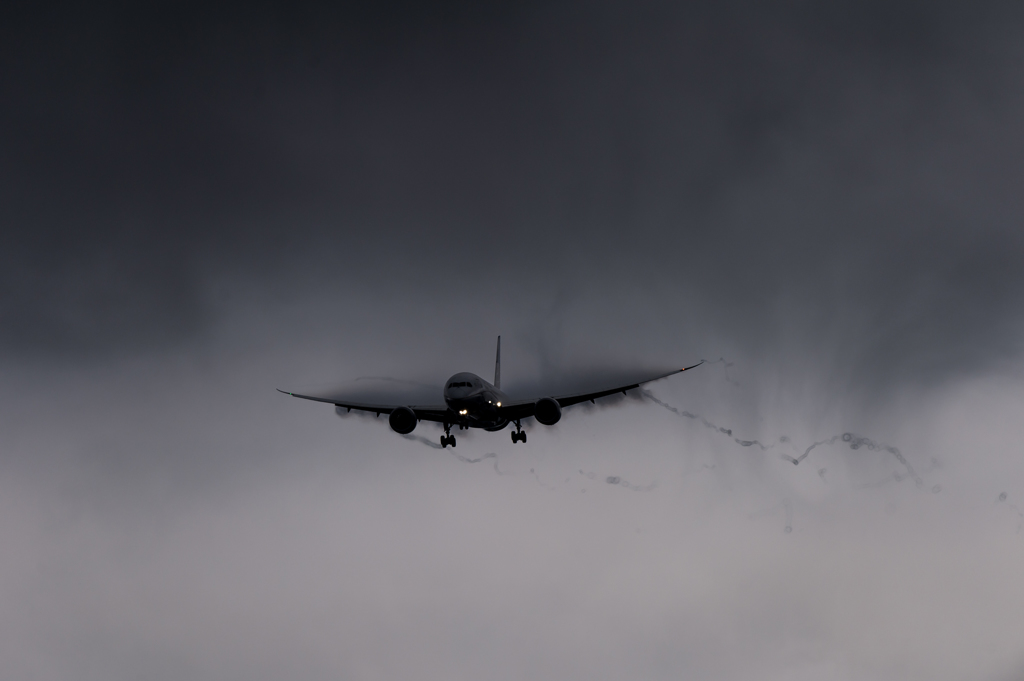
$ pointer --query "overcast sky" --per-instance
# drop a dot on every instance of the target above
(201, 205)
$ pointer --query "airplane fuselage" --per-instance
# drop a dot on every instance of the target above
(474, 402)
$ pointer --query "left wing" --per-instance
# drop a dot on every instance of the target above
(439, 413)
(520, 409)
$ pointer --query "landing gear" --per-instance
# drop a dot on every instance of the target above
(518, 435)
(447, 438)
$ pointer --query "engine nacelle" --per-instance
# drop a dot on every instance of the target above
(402, 420)
(547, 411)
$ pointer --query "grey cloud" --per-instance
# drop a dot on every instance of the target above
(202, 204)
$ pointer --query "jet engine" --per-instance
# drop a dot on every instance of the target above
(402, 420)
(547, 411)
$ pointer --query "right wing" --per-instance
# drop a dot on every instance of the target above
(520, 409)
(439, 413)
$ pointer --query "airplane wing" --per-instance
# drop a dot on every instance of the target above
(519, 409)
(437, 413)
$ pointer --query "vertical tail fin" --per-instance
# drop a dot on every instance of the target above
(497, 366)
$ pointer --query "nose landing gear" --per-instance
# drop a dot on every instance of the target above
(518, 435)
(447, 438)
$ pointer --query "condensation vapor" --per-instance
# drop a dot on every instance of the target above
(725, 369)
(392, 379)
(854, 441)
(1001, 500)
(434, 445)
(460, 457)
(708, 424)
(695, 471)
(489, 455)
(343, 413)
(539, 481)
(617, 480)
(420, 438)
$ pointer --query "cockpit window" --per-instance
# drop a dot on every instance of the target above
(460, 384)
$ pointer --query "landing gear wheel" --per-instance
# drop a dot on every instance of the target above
(518, 435)
(447, 438)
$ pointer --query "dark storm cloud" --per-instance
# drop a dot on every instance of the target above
(845, 174)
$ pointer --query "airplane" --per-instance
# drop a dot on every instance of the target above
(472, 402)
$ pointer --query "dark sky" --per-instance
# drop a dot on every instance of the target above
(201, 204)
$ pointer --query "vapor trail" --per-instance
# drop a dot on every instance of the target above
(856, 442)
(460, 457)
(703, 467)
(617, 480)
(391, 379)
(463, 459)
(1001, 499)
(420, 438)
(539, 481)
(489, 455)
(725, 368)
(708, 424)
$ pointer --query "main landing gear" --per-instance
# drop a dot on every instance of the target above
(518, 435)
(447, 438)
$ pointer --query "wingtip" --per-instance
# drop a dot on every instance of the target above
(692, 367)
(284, 391)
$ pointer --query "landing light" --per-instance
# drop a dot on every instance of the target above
(499, 404)
(464, 412)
